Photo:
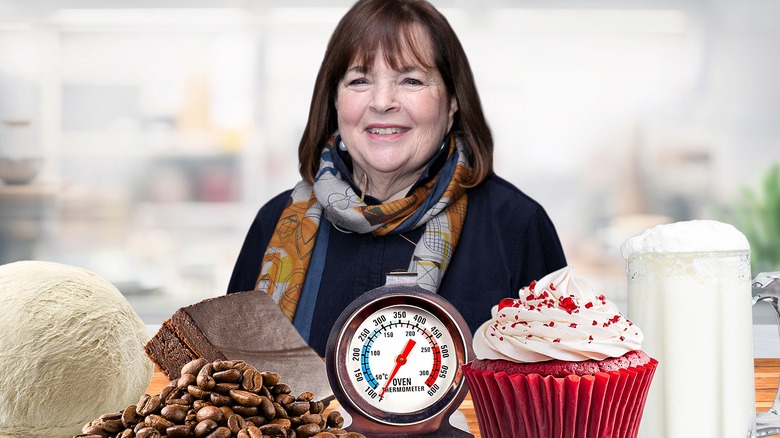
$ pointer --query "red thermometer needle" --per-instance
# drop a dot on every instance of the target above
(400, 360)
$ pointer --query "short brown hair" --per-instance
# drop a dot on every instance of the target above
(371, 25)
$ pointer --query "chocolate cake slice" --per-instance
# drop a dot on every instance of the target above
(248, 326)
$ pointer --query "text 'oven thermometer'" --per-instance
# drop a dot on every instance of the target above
(394, 361)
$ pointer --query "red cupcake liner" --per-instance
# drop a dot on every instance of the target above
(608, 404)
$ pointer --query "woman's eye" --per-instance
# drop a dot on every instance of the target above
(412, 81)
(357, 81)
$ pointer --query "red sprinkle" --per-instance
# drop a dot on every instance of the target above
(557, 340)
(595, 323)
(622, 338)
(532, 285)
(552, 323)
(568, 304)
(573, 325)
(552, 286)
(530, 297)
(588, 305)
(590, 338)
(506, 302)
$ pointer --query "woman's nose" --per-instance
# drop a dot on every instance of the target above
(384, 98)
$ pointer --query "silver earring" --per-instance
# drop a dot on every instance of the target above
(342, 146)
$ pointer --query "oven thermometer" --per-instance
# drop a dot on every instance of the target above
(394, 361)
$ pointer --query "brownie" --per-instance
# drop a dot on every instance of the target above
(246, 326)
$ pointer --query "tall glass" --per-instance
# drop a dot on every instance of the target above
(695, 310)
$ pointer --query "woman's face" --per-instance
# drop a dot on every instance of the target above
(393, 122)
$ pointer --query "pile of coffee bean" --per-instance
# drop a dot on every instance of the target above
(222, 399)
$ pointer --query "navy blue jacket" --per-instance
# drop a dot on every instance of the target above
(507, 241)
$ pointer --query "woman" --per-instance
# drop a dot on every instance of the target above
(397, 169)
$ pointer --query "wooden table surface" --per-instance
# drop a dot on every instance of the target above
(767, 375)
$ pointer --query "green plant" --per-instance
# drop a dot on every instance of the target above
(757, 215)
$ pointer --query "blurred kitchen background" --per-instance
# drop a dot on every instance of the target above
(160, 127)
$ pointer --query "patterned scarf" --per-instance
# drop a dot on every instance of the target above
(439, 204)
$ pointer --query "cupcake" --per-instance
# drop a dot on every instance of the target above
(559, 361)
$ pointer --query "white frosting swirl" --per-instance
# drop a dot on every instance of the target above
(558, 317)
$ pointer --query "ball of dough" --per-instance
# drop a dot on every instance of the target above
(71, 349)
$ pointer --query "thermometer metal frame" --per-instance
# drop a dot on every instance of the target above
(400, 290)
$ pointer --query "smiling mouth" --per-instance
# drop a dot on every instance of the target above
(386, 131)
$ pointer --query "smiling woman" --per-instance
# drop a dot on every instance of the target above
(397, 167)
(392, 119)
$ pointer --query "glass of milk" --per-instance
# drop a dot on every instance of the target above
(689, 290)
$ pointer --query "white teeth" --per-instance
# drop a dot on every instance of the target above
(384, 131)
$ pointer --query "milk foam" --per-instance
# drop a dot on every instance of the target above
(686, 236)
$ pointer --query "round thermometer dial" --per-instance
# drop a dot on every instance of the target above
(402, 359)
(394, 359)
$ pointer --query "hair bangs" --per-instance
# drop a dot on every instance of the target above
(399, 43)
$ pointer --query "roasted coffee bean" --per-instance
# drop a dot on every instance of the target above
(295, 421)
(281, 388)
(149, 405)
(148, 432)
(245, 411)
(267, 407)
(186, 380)
(220, 400)
(179, 401)
(264, 391)
(94, 429)
(204, 428)
(308, 430)
(165, 394)
(224, 387)
(175, 413)
(305, 396)
(270, 379)
(157, 422)
(316, 407)
(273, 429)
(295, 409)
(245, 398)
(280, 412)
(220, 432)
(178, 431)
(198, 392)
(198, 404)
(257, 420)
(235, 423)
(254, 432)
(284, 399)
(194, 366)
(335, 419)
(252, 380)
(212, 413)
(353, 435)
(226, 411)
(113, 425)
(230, 375)
(313, 418)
